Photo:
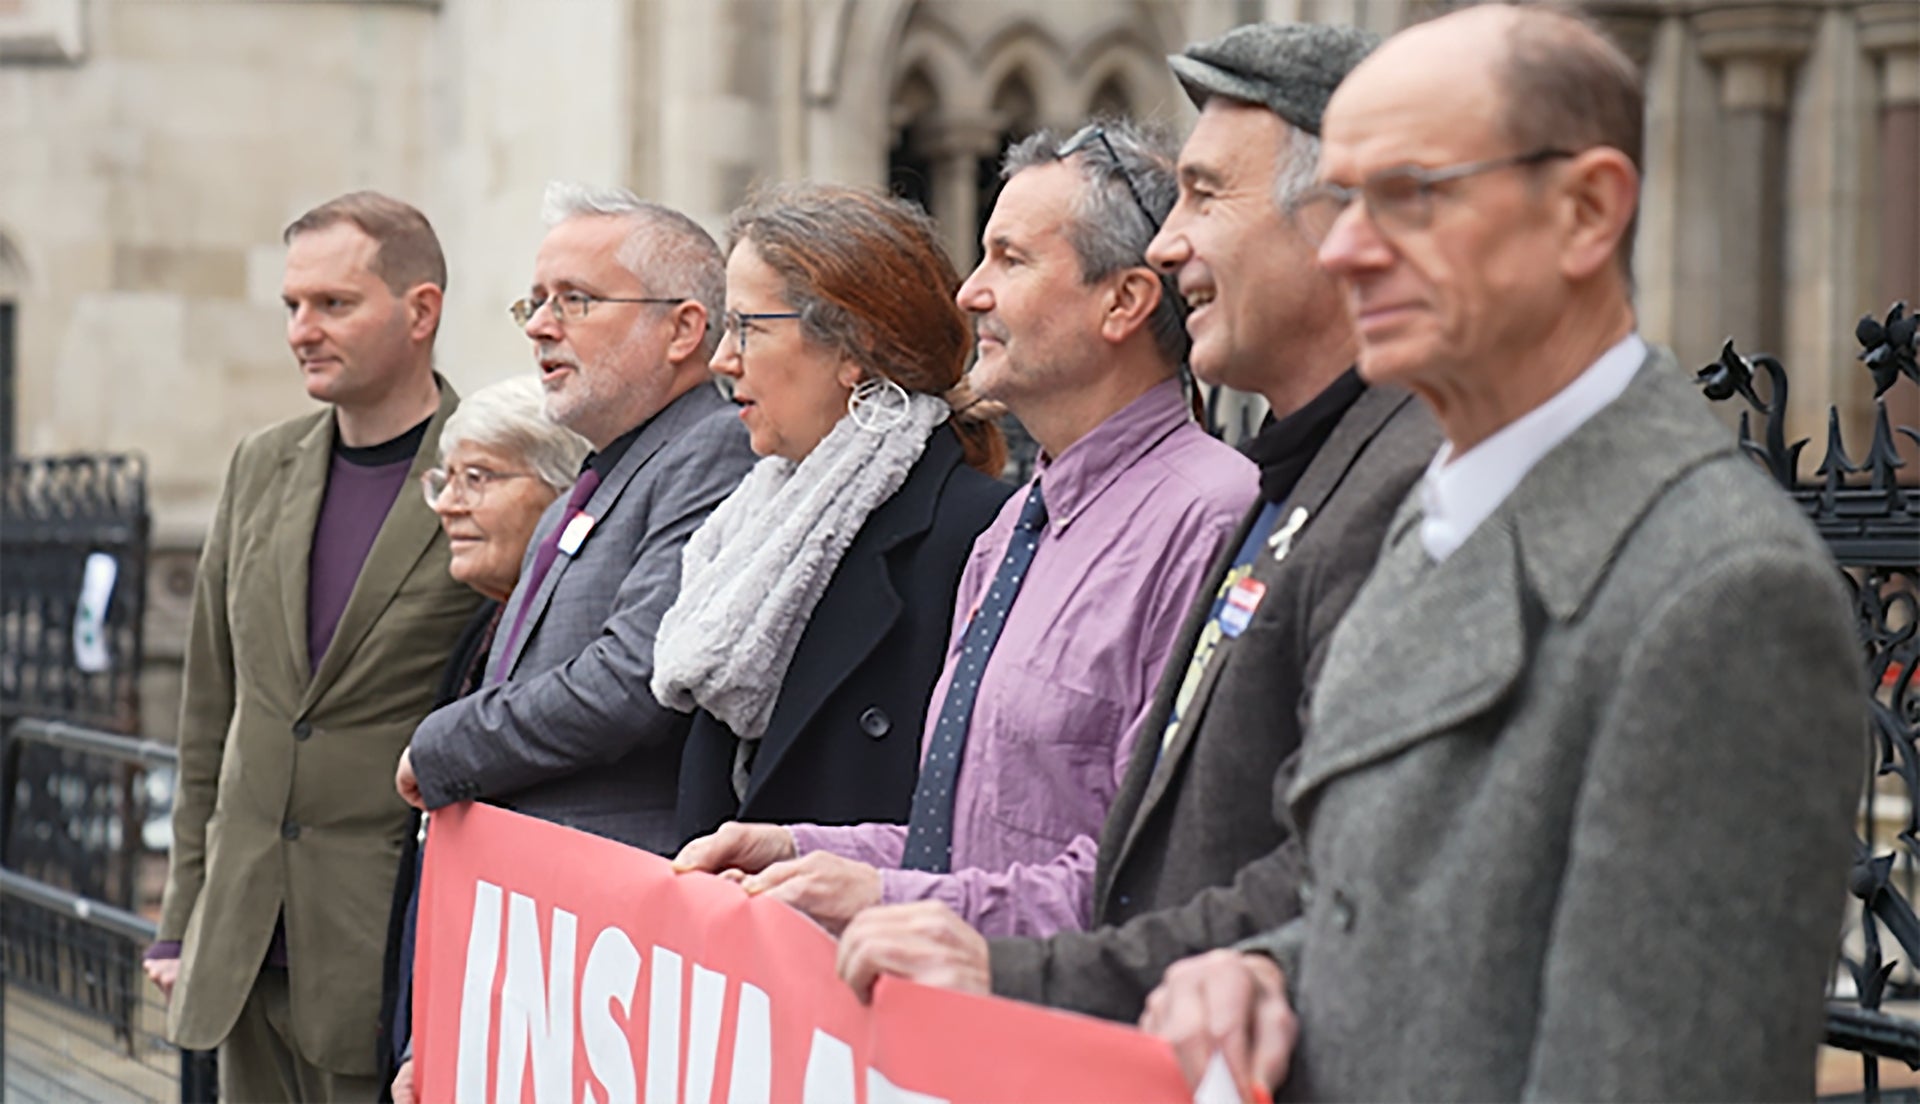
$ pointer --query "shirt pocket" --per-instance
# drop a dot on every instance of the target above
(1050, 761)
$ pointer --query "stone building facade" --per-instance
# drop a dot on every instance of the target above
(151, 151)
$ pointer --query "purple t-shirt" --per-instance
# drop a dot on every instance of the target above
(362, 484)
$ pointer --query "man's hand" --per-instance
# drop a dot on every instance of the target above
(924, 941)
(163, 972)
(734, 846)
(407, 784)
(403, 1084)
(828, 887)
(1229, 1002)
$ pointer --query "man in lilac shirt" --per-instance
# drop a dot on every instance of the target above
(1082, 340)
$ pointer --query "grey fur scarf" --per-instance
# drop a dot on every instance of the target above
(751, 575)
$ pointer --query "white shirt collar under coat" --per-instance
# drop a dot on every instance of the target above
(1457, 494)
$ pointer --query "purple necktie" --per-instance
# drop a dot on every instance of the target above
(583, 489)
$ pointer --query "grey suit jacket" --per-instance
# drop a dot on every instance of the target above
(574, 735)
(1192, 856)
(1577, 802)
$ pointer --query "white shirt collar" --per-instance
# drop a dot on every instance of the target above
(1458, 493)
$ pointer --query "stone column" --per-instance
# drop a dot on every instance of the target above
(955, 148)
(1755, 51)
(1891, 34)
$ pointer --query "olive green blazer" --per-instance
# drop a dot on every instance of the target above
(285, 798)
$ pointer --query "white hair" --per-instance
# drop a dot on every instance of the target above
(668, 252)
(1299, 164)
(507, 416)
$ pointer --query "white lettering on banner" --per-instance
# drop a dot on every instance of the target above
(536, 1005)
(538, 1015)
(703, 1032)
(882, 1091)
(476, 996)
(752, 1081)
(829, 1071)
(612, 974)
(663, 1028)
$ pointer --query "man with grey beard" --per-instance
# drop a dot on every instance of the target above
(621, 314)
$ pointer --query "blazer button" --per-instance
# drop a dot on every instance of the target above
(302, 730)
(875, 722)
(1341, 912)
(289, 831)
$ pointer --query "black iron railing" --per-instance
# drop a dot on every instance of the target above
(1870, 520)
(80, 1018)
(81, 830)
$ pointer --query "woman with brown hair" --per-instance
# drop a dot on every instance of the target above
(816, 602)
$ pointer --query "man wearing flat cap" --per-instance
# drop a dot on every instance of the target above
(1193, 856)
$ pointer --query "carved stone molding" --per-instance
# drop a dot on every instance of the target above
(42, 31)
(1890, 31)
(1755, 48)
(1633, 24)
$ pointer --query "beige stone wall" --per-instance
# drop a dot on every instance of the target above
(144, 187)
(151, 151)
(150, 166)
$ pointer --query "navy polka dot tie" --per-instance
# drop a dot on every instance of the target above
(930, 830)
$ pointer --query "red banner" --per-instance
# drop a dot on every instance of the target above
(556, 966)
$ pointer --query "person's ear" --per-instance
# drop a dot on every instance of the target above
(689, 331)
(423, 305)
(1131, 297)
(1599, 192)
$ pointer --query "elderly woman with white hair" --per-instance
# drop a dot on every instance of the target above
(502, 462)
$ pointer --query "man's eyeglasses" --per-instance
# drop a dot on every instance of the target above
(467, 485)
(572, 306)
(739, 322)
(1087, 136)
(1399, 199)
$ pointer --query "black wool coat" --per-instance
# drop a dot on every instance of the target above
(843, 744)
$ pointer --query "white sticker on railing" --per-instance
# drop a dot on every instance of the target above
(90, 618)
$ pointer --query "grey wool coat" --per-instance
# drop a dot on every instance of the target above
(1577, 802)
(285, 803)
(1191, 856)
(574, 734)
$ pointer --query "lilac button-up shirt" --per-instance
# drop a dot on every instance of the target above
(1137, 510)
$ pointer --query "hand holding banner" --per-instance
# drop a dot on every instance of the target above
(556, 966)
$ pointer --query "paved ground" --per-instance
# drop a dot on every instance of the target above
(55, 1054)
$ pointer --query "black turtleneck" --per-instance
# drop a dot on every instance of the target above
(1285, 446)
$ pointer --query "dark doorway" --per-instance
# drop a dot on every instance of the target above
(6, 380)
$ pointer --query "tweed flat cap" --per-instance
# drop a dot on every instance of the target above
(1288, 68)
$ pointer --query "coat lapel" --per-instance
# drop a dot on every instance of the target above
(680, 414)
(1426, 647)
(1429, 646)
(853, 618)
(289, 540)
(404, 537)
(1359, 426)
(1152, 768)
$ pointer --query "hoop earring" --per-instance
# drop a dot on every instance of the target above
(878, 404)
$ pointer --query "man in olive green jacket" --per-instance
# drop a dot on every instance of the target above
(322, 615)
